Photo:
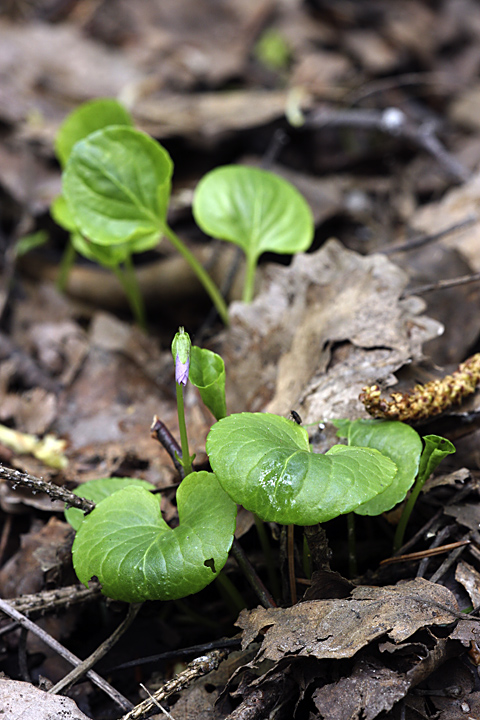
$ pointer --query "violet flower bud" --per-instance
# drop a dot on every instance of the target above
(181, 354)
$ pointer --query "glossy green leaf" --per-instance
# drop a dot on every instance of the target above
(397, 441)
(136, 556)
(207, 373)
(436, 449)
(117, 187)
(110, 256)
(62, 215)
(99, 489)
(254, 209)
(86, 119)
(264, 463)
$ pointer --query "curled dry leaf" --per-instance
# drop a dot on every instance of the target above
(340, 628)
(319, 331)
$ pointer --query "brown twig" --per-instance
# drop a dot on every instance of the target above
(55, 492)
(98, 654)
(425, 239)
(425, 553)
(117, 697)
(442, 285)
(161, 433)
(248, 570)
(54, 600)
(394, 122)
(196, 669)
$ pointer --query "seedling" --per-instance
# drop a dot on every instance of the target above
(256, 210)
(116, 191)
(261, 461)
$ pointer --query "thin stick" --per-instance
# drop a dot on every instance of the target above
(352, 545)
(252, 577)
(55, 492)
(161, 433)
(66, 654)
(442, 285)
(291, 563)
(425, 553)
(196, 669)
(422, 240)
(99, 653)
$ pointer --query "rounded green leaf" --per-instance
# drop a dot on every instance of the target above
(207, 373)
(254, 209)
(110, 256)
(62, 215)
(401, 443)
(117, 186)
(99, 489)
(136, 556)
(86, 119)
(264, 463)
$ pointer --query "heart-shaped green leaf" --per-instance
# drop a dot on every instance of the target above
(99, 489)
(117, 187)
(436, 449)
(86, 119)
(136, 556)
(207, 373)
(397, 441)
(264, 463)
(254, 209)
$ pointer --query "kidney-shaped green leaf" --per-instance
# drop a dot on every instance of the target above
(99, 489)
(253, 208)
(207, 373)
(136, 556)
(86, 119)
(401, 443)
(264, 463)
(117, 186)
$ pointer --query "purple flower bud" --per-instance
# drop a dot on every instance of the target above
(181, 353)
(181, 371)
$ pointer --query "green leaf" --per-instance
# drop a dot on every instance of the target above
(30, 242)
(436, 449)
(117, 186)
(136, 556)
(264, 463)
(86, 119)
(254, 209)
(62, 215)
(397, 441)
(99, 489)
(207, 373)
(110, 256)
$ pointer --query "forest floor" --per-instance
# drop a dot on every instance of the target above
(372, 111)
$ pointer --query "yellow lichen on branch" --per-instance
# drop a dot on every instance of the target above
(424, 401)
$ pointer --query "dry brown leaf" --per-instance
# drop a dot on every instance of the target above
(23, 701)
(319, 331)
(340, 628)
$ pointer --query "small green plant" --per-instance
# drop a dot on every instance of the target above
(256, 210)
(116, 191)
(261, 461)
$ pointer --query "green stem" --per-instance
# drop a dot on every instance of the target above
(352, 545)
(66, 264)
(129, 283)
(273, 579)
(203, 276)
(186, 459)
(406, 512)
(249, 286)
(231, 594)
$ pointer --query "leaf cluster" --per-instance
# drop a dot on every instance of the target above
(259, 460)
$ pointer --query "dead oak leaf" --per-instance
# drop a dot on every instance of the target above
(340, 628)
